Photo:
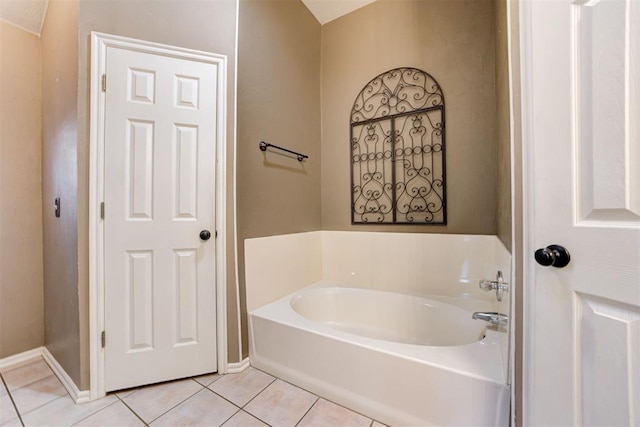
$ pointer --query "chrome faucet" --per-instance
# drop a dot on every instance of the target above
(498, 285)
(491, 316)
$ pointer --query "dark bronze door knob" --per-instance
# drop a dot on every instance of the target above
(205, 235)
(553, 255)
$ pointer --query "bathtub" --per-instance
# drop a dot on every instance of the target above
(400, 359)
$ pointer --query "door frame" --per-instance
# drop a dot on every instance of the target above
(528, 214)
(100, 42)
(528, 208)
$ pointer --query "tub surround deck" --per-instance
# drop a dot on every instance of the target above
(398, 383)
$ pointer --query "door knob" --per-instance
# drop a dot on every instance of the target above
(205, 235)
(553, 255)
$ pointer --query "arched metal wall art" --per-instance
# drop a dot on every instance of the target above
(398, 150)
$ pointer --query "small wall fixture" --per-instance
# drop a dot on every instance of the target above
(264, 145)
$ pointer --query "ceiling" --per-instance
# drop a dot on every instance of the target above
(328, 10)
(29, 14)
(26, 14)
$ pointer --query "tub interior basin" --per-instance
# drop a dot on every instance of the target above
(389, 316)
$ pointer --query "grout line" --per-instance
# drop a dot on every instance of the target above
(240, 408)
(93, 413)
(45, 403)
(232, 415)
(249, 414)
(129, 408)
(11, 398)
(178, 404)
(348, 409)
(320, 397)
(223, 398)
(218, 376)
(308, 410)
(235, 404)
(53, 374)
(259, 393)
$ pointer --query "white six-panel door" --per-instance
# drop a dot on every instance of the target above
(582, 132)
(159, 194)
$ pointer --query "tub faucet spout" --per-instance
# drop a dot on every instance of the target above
(491, 316)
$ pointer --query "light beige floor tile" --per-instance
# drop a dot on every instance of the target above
(116, 415)
(281, 404)
(3, 389)
(325, 413)
(124, 393)
(152, 401)
(205, 408)
(7, 411)
(36, 394)
(206, 380)
(378, 424)
(26, 374)
(241, 388)
(64, 412)
(243, 419)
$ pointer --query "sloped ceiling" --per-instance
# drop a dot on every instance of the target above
(328, 10)
(25, 14)
(29, 14)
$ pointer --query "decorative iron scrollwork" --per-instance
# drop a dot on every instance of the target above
(398, 150)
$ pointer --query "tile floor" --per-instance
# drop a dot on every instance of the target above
(31, 395)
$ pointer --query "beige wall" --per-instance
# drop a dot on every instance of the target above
(204, 25)
(454, 41)
(59, 176)
(503, 158)
(21, 294)
(278, 102)
(280, 84)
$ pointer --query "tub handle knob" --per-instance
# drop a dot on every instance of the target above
(497, 285)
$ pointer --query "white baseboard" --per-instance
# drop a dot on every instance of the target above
(236, 368)
(73, 390)
(79, 396)
(20, 359)
(42, 352)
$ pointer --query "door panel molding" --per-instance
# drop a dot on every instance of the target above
(139, 91)
(607, 183)
(608, 334)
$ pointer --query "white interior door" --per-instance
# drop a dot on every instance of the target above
(159, 194)
(582, 130)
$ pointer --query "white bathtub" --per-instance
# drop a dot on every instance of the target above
(400, 359)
